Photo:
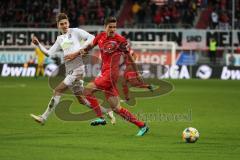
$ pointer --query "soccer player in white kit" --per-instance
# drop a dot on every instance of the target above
(70, 41)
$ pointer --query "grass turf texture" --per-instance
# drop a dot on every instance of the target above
(214, 107)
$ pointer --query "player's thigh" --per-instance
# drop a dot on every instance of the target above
(73, 75)
(114, 102)
(77, 86)
(74, 80)
(60, 88)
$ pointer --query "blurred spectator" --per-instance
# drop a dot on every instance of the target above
(193, 7)
(158, 17)
(188, 18)
(81, 20)
(222, 4)
(214, 19)
(148, 15)
(40, 62)
(231, 60)
(153, 7)
(213, 50)
(224, 21)
(100, 15)
(175, 14)
(166, 15)
(135, 11)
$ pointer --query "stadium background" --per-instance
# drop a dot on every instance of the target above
(205, 92)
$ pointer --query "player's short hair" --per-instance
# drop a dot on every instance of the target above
(110, 20)
(61, 16)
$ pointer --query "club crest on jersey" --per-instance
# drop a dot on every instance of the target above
(66, 43)
(110, 46)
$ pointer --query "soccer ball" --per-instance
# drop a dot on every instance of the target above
(190, 135)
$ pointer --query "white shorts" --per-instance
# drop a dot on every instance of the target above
(74, 79)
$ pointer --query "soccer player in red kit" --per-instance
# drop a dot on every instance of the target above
(112, 46)
(131, 77)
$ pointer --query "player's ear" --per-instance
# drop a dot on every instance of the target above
(105, 26)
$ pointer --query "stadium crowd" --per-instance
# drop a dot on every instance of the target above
(221, 14)
(143, 13)
(170, 14)
(184, 13)
(35, 13)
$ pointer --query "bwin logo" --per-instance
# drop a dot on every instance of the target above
(230, 74)
(204, 72)
(18, 71)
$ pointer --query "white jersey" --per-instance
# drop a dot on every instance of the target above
(70, 42)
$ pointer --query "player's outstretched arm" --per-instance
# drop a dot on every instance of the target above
(80, 52)
(47, 52)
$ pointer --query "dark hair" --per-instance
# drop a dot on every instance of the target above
(61, 16)
(110, 20)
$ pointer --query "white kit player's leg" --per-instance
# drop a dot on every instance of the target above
(51, 105)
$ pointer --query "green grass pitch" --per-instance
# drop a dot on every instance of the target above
(213, 107)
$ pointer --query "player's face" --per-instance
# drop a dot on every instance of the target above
(110, 29)
(63, 25)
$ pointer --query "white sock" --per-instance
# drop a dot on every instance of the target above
(110, 113)
(86, 102)
(104, 110)
(51, 106)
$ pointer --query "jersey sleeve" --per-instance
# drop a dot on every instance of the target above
(50, 52)
(96, 39)
(87, 37)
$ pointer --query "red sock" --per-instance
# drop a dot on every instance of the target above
(94, 104)
(139, 84)
(125, 90)
(130, 117)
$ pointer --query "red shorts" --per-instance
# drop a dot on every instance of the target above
(130, 75)
(106, 83)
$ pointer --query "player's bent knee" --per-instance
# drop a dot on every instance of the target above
(57, 92)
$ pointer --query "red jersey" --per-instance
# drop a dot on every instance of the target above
(111, 48)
